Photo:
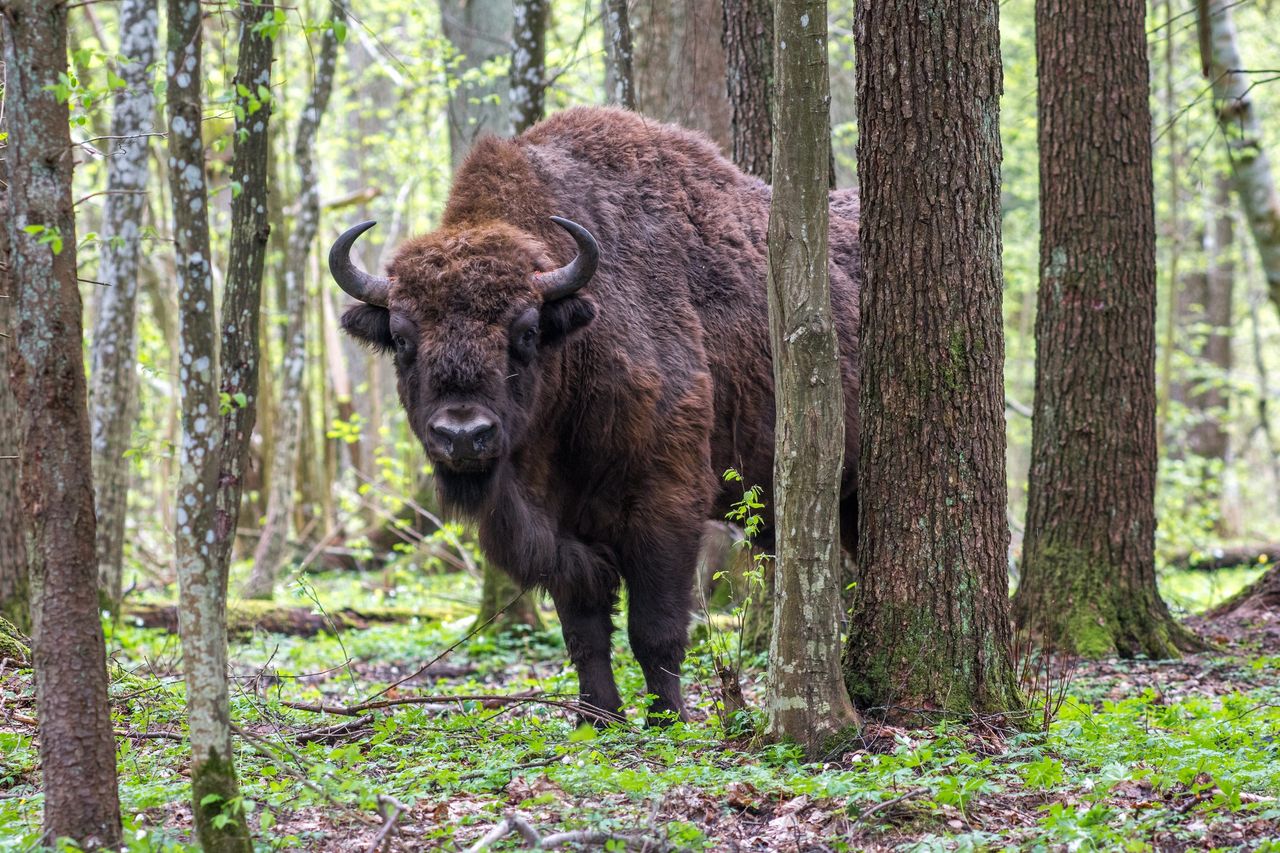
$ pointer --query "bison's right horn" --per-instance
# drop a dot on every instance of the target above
(569, 279)
(356, 282)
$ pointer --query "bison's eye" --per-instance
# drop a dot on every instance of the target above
(524, 335)
(402, 346)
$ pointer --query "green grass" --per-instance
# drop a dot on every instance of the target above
(1133, 761)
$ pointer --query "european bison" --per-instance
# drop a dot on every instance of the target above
(581, 383)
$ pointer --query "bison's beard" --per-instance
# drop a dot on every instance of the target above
(465, 492)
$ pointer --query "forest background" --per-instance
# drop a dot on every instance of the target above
(335, 479)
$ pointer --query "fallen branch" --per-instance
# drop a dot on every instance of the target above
(489, 701)
(1211, 559)
(517, 823)
(331, 734)
(886, 804)
(391, 809)
(245, 617)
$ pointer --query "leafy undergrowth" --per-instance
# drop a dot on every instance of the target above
(1143, 755)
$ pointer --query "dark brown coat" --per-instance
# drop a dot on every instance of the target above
(615, 430)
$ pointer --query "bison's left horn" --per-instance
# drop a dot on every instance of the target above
(356, 282)
(569, 279)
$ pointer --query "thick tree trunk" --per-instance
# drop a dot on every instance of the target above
(748, 50)
(271, 547)
(528, 63)
(242, 294)
(1088, 581)
(806, 700)
(15, 602)
(679, 65)
(202, 579)
(619, 80)
(1251, 173)
(480, 32)
(114, 391)
(77, 748)
(930, 624)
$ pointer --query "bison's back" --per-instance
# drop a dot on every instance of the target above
(682, 281)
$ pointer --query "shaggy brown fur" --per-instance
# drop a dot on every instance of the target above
(615, 427)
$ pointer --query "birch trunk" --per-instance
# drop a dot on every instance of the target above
(271, 547)
(113, 394)
(930, 622)
(77, 748)
(1251, 173)
(806, 699)
(618, 75)
(528, 63)
(202, 579)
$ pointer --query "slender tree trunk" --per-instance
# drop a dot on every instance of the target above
(1251, 173)
(284, 462)
(1088, 581)
(114, 391)
(242, 295)
(748, 49)
(930, 622)
(77, 748)
(15, 598)
(528, 63)
(202, 579)
(679, 65)
(1211, 347)
(618, 54)
(806, 700)
(480, 32)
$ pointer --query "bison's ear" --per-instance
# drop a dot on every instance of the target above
(370, 325)
(562, 318)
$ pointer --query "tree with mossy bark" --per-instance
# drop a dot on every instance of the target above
(68, 651)
(806, 700)
(929, 631)
(1088, 574)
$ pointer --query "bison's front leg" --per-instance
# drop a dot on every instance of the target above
(659, 570)
(587, 624)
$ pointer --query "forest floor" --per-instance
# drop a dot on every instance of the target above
(1142, 755)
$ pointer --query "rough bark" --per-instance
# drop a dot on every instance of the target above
(202, 580)
(271, 547)
(679, 65)
(77, 749)
(113, 394)
(528, 63)
(1088, 582)
(930, 628)
(14, 590)
(806, 700)
(1251, 173)
(242, 294)
(618, 55)
(748, 50)
(480, 32)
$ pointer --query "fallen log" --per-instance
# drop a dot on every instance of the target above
(1212, 559)
(244, 617)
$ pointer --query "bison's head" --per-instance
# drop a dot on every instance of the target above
(468, 315)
